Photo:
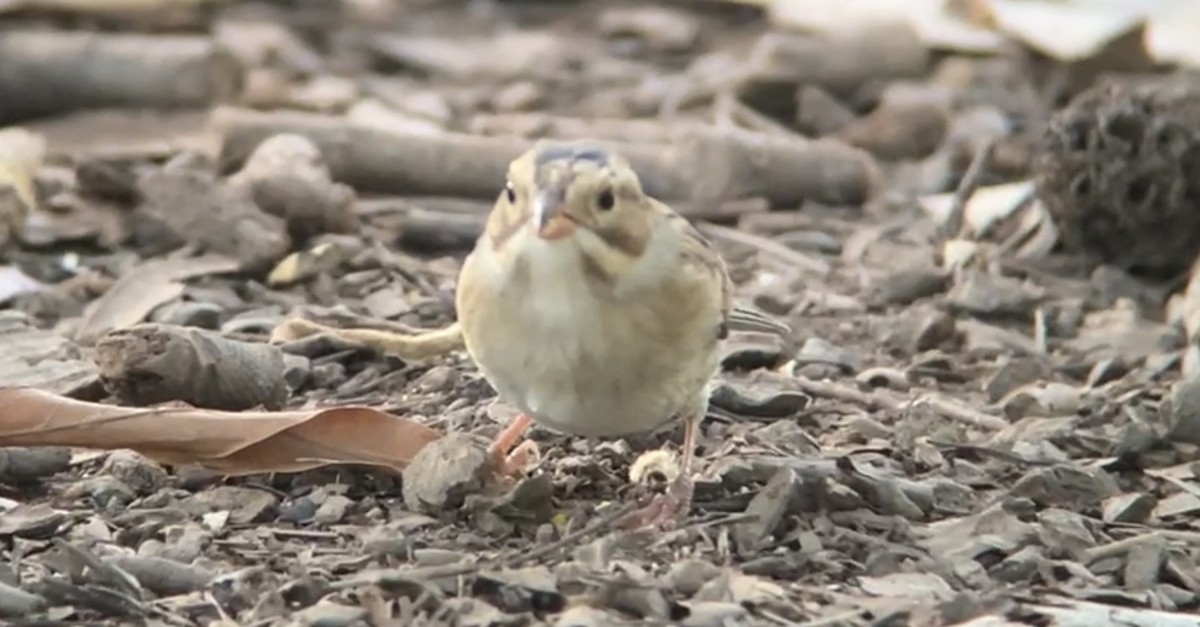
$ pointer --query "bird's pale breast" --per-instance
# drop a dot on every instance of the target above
(585, 364)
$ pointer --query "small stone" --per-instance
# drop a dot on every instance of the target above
(1066, 530)
(444, 472)
(245, 505)
(545, 534)
(907, 285)
(1142, 565)
(437, 379)
(143, 475)
(769, 507)
(189, 314)
(1065, 485)
(333, 510)
(818, 351)
(1184, 416)
(1019, 566)
(1014, 373)
(106, 491)
(992, 295)
(183, 544)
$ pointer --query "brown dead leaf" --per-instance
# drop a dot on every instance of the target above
(234, 443)
(147, 286)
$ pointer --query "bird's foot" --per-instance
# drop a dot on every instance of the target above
(512, 465)
(665, 510)
(509, 458)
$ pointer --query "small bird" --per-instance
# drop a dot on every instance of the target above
(595, 309)
(591, 307)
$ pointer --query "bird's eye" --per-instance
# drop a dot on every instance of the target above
(510, 192)
(606, 200)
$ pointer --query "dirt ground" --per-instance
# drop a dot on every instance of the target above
(983, 416)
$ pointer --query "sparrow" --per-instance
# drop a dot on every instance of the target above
(592, 308)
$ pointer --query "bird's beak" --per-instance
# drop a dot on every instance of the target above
(549, 215)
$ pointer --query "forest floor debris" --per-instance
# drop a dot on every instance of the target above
(971, 425)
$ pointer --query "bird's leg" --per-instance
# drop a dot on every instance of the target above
(509, 461)
(665, 510)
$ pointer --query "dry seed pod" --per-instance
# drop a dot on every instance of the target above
(1119, 169)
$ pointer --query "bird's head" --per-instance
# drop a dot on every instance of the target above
(564, 188)
(573, 201)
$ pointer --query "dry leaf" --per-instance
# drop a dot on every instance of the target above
(987, 206)
(1036, 233)
(959, 253)
(820, 16)
(233, 443)
(305, 264)
(1173, 34)
(1172, 27)
(14, 282)
(40, 358)
(1040, 25)
(139, 291)
(934, 26)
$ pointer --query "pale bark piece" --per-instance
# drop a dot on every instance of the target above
(837, 62)
(155, 363)
(21, 154)
(232, 443)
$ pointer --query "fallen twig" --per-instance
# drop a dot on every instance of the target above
(705, 165)
(955, 223)
(775, 249)
(48, 72)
